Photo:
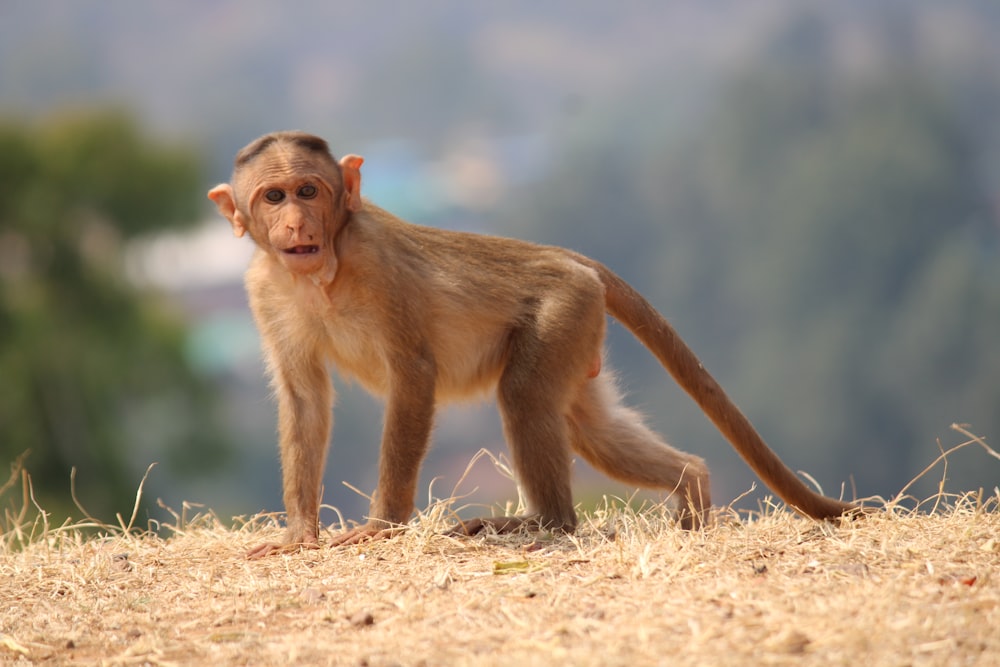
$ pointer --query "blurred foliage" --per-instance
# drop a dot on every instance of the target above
(859, 233)
(832, 240)
(93, 371)
(807, 190)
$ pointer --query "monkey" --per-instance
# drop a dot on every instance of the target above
(421, 316)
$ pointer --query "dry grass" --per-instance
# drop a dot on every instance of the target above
(917, 586)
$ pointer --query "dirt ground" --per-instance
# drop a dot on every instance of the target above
(903, 587)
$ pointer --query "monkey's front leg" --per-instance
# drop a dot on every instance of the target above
(409, 417)
(305, 418)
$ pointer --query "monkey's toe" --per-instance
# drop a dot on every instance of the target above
(274, 548)
(502, 525)
(365, 533)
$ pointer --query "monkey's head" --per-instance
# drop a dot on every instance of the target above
(292, 198)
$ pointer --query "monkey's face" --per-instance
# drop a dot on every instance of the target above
(296, 215)
(292, 198)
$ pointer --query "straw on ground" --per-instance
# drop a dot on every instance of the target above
(903, 587)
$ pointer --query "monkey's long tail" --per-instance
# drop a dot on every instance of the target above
(629, 307)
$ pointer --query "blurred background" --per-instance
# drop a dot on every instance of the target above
(809, 191)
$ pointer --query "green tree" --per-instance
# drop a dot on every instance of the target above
(93, 372)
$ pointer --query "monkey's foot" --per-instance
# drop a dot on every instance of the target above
(365, 533)
(500, 524)
(273, 548)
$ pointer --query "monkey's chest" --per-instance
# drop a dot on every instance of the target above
(354, 346)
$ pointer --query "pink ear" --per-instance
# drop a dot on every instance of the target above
(222, 195)
(350, 167)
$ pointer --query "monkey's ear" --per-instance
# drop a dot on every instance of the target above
(350, 166)
(222, 195)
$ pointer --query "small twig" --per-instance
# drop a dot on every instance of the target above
(340, 517)
(31, 493)
(963, 429)
(944, 478)
(468, 469)
(357, 491)
(753, 487)
(138, 500)
(15, 471)
(812, 480)
(945, 453)
(76, 501)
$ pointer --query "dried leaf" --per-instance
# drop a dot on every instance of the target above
(515, 567)
(9, 643)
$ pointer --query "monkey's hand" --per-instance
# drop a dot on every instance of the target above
(369, 531)
(290, 544)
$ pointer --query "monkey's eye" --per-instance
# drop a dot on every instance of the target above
(307, 191)
(274, 196)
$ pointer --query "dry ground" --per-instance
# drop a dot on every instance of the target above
(918, 586)
(901, 588)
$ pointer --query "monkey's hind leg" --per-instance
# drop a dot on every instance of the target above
(538, 437)
(614, 439)
(549, 356)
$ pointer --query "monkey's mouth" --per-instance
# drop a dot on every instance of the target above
(302, 250)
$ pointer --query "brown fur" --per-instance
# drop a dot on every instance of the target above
(421, 315)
